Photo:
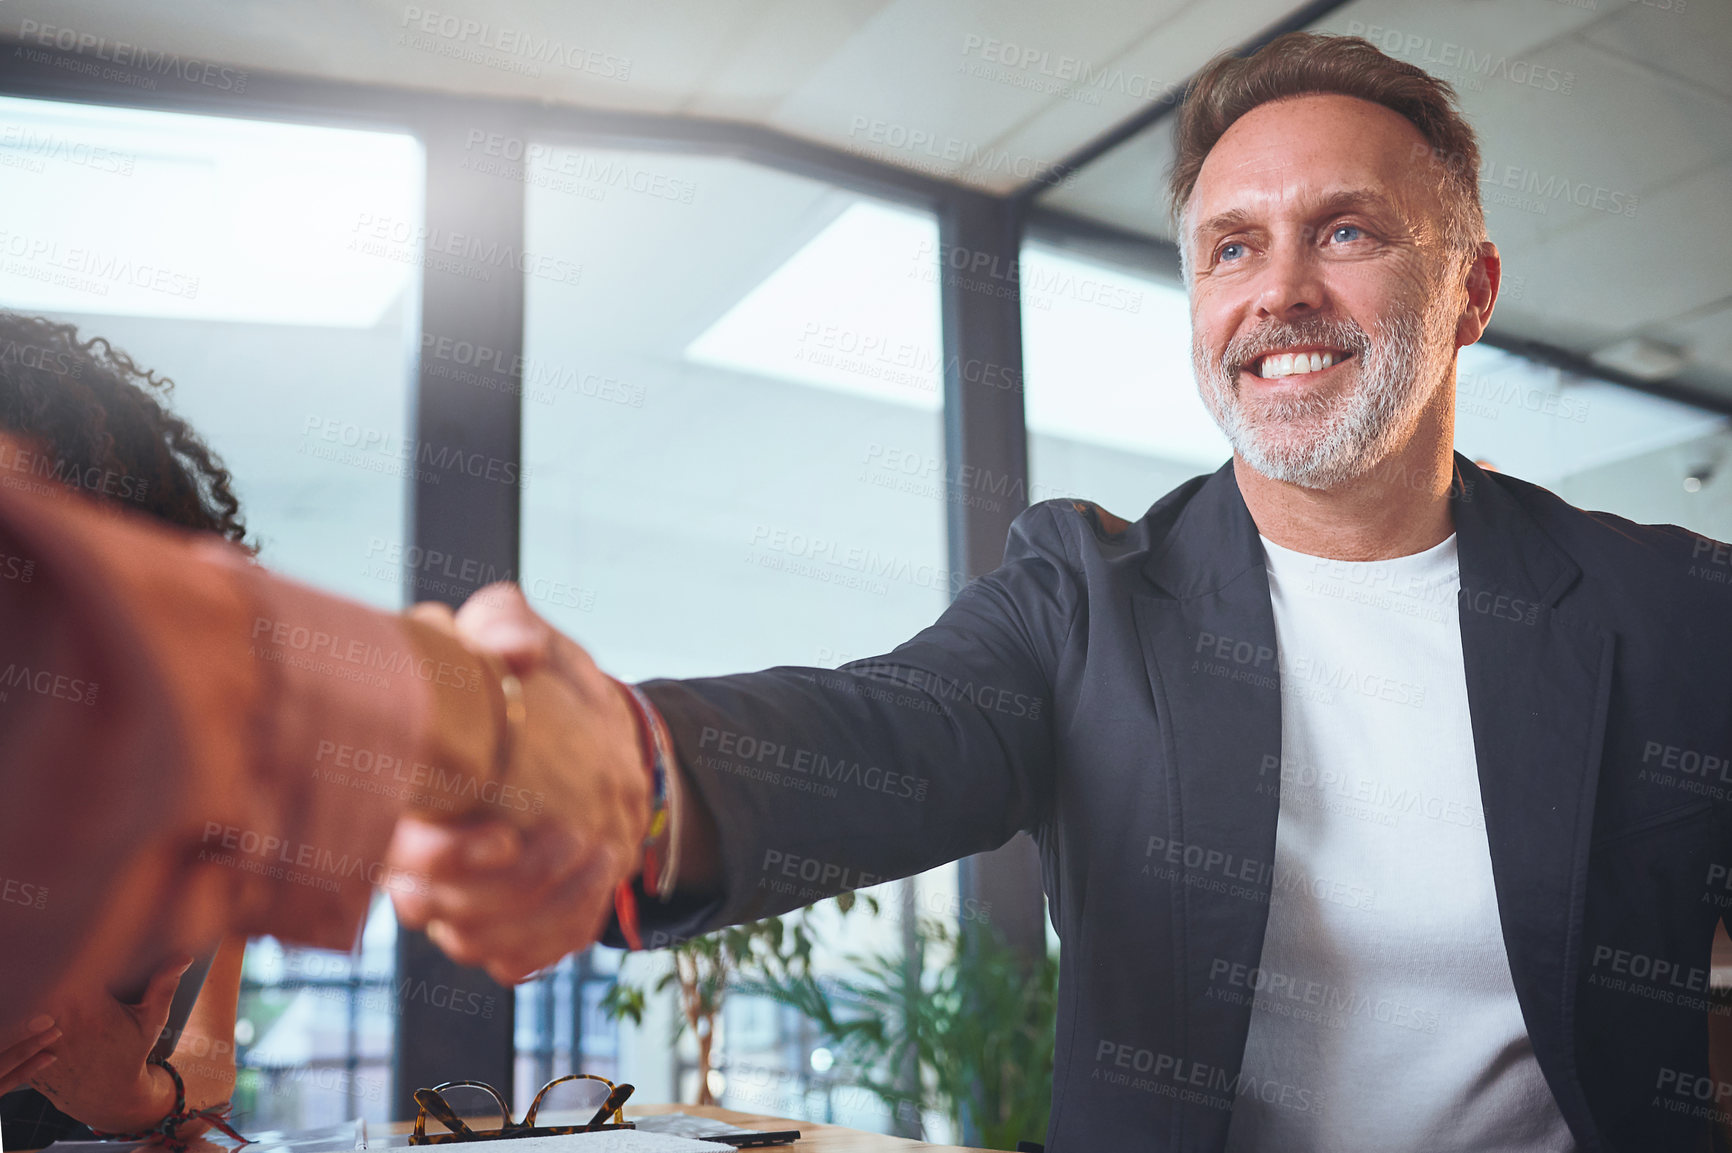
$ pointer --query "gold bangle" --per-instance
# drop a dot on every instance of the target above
(516, 716)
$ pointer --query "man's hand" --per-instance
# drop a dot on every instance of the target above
(515, 900)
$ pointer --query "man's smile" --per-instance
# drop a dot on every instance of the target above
(1307, 361)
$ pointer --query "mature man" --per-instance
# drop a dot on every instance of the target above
(1367, 784)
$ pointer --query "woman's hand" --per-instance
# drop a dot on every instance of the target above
(100, 1076)
(511, 897)
(29, 1056)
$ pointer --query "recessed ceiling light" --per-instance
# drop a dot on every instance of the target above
(853, 310)
(1641, 357)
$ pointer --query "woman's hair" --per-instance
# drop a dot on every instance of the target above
(1307, 64)
(102, 426)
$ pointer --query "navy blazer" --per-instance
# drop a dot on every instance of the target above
(1113, 690)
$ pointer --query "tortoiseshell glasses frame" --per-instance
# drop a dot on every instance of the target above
(434, 1105)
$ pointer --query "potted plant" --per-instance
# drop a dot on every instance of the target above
(703, 970)
(975, 1021)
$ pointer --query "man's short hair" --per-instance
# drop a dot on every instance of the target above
(1309, 64)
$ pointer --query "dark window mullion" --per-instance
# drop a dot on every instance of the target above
(464, 506)
(985, 435)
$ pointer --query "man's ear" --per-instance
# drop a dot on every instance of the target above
(1483, 277)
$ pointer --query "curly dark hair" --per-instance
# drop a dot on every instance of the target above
(104, 424)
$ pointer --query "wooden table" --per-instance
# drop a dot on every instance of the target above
(818, 1138)
(814, 1136)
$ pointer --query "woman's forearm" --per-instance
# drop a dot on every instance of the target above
(204, 1053)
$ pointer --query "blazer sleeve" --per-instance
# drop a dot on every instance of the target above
(821, 781)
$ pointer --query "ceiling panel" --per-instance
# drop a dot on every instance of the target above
(1684, 38)
(759, 62)
(896, 92)
(928, 85)
(1440, 35)
(1125, 188)
(603, 55)
(1610, 280)
(1172, 42)
(1624, 132)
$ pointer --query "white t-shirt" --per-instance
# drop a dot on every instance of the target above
(1384, 989)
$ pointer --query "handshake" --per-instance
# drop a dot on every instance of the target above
(515, 896)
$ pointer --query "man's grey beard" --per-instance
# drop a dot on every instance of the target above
(1320, 441)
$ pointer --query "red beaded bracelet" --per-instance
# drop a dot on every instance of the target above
(660, 868)
(167, 1131)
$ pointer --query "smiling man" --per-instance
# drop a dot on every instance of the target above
(1375, 793)
(1334, 269)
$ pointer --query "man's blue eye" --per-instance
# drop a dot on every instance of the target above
(1348, 228)
(1232, 251)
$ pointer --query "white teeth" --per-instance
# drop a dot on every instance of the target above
(1292, 364)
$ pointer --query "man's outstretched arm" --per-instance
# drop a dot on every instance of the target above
(796, 783)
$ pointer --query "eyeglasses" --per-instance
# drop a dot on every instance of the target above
(476, 1111)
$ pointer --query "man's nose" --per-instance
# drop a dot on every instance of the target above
(1290, 283)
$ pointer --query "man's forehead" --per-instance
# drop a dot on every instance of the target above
(1307, 151)
(1250, 205)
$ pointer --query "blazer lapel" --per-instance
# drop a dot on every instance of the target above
(1208, 637)
(1538, 688)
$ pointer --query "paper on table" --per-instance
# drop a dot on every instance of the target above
(339, 1138)
(606, 1141)
(601, 1141)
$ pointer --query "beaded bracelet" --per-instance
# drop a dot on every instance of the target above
(667, 786)
(167, 1131)
(660, 869)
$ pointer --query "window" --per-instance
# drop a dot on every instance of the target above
(732, 447)
(748, 375)
(1597, 445)
(1112, 408)
(217, 252)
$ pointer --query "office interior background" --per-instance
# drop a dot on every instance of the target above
(738, 332)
